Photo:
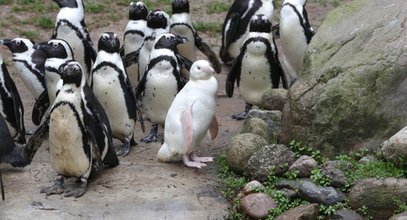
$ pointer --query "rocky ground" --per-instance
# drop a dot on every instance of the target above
(140, 187)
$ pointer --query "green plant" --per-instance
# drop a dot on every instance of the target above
(217, 7)
(318, 178)
(302, 149)
(94, 8)
(401, 206)
(43, 22)
(283, 204)
(208, 27)
(364, 211)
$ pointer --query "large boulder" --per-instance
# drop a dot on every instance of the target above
(395, 148)
(378, 196)
(349, 92)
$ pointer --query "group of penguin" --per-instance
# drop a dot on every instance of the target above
(87, 97)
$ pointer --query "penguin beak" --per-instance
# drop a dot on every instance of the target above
(6, 42)
(208, 69)
(181, 40)
(40, 46)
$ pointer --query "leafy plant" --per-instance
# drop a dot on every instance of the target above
(401, 206)
(364, 211)
(318, 178)
(284, 204)
(302, 149)
(208, 27)
(217, 7)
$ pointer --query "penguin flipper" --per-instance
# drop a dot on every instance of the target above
(309, 32)
(204, 48)
(213, 128)
(41, 106)
(131, 58)
(184, 62)
(2, 187)
(230, 35)
(39, 57)
(36, 140)
(186, 122)
(234, 75)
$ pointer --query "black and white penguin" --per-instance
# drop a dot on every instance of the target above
(70, 26)
(72, 135)
(29, 63)
(8, 151)
(236, 25)
(161, 82)
(134, 35)
(11, 106)
(295, 35)
(57, 51)
(114, 91)
(158, 21)
(257, 68)
(181, 24)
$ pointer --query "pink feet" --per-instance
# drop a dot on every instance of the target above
(192, 160)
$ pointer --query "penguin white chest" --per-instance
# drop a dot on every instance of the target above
(255, 73)
(161, 89)
(65, 142)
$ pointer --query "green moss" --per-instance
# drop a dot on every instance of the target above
(343, 11)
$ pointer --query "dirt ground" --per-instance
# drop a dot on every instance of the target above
(140, 187)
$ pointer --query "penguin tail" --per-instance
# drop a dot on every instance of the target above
(164, 154)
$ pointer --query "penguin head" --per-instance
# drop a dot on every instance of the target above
(294, 2)
(55, 48)
(138, 11)
(180, 6)
(260, 23)
(109, 42)
(201, 69)
(158, 19)
(67, 3)
(169, 41)
(17, 45)
(71, 73)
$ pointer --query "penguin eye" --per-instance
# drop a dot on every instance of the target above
(18, 43)
(199, 68)
(55, 45)
(104, 38)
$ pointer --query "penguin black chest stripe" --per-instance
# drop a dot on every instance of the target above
(109, 64)
(70, 25)
(51, 69)
(85, 142)
(37, 74)
(174, 64)
(302, 22)
(183, 24)
(138, 32)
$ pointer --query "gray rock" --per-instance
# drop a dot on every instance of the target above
(288, 193)
(401, 216)
(303, 165)
(367, 159)
(241, 148)
(396, 146)
(349, 91)
(377, 195)
(334, 171)
(346, 214)
(302, 212)
(253, 186)
(259, 126)
(289, 184)
(325, 195)
(257, 205)
(272, 118)
(274, 99)
(276, 158)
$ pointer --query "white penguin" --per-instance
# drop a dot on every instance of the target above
(257, 69)
(134, 35)
(29, 63)
(190, 116)
(181, 24)
(113, 89)
(236, 25)
(295, 35)
(161, 82)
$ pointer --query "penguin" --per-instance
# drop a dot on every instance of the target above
(236, 25)
(72, 135)
(70, 26)
(57, 51)
(190, 116)
(158, 22)
(161, 82)
(134, 35)
(29, 63)
(295, 35)
(9, 152)
(181, 24)
(11, 106)
(114, 91)
(257, 68)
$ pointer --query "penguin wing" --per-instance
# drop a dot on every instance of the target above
(141, 86)
(130, 58)
(130, 91)
(39, 57)
(213, 128)
(41, 106)
(36, 140)
(309, 32)
(18, 107)
(183, 61)
(8, 149)
(2, 187)
(234, 73)
(204, 48)
(234, 21)
(276, 70)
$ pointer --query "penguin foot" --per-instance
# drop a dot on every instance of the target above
(123, 150)
(78, 192)
(57, 188)
(195, 158)
(190, 163)
(240, 116)
(153, 136)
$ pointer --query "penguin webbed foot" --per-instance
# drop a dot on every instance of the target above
(190, 163)
(77, 192)
(153, 136)
(57, 188)
(123, 150)
(195, 158)
(21, 138)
